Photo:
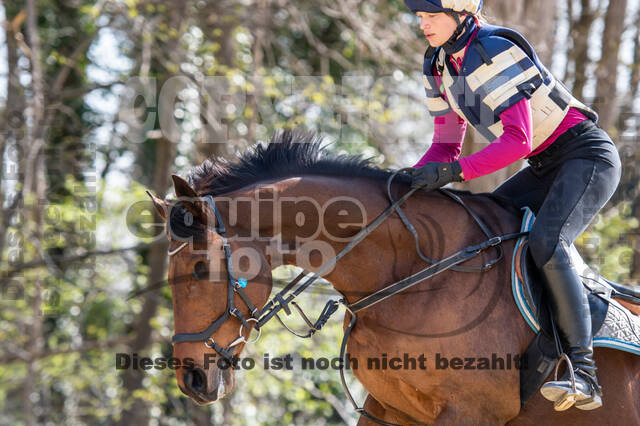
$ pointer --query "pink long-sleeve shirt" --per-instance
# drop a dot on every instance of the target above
(514, 144)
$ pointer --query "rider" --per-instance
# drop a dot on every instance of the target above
(491, 78)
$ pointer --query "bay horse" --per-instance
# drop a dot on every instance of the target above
(312, 204)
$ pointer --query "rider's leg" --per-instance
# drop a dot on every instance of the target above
(573, 320)
(579, 190)
(525, 189)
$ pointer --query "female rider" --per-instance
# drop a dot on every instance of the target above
(491, 78)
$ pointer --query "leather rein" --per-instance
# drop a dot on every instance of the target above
(286, 296)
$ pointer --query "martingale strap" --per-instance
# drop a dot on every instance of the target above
(428, 272)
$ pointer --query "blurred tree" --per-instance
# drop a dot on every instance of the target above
(607, 100)
(578, 60)
(536, 20)
(628, 129)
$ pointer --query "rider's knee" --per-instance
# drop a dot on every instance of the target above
(542, 246)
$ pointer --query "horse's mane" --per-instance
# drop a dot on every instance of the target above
(289, 153)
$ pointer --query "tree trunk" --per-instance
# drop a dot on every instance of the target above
(534, 19)
(607, 71)
(137, 413)
(13, 127)
(164, 152)
(629, 145)
(539, 25)
(36, 185)
(507, 13)
(578, 55)
(215, 136)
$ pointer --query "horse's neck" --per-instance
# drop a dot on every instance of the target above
(300, 213)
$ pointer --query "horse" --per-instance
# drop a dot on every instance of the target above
(226, 218)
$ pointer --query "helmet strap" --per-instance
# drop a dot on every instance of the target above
(457, 43)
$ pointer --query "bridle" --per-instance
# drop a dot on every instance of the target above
(287, 295)
(233, 286)
(258, 318)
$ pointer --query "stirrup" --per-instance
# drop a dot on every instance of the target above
(569, 398)
(565, 398)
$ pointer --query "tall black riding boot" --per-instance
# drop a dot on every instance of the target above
(573, 319)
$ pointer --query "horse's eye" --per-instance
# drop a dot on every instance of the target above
(200, 271)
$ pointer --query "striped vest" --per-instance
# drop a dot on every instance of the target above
(499, 69)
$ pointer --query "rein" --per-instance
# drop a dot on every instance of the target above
(286, 296)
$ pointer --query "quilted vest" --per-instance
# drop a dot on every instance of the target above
(499, 69)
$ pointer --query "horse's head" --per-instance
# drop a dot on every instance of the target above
(212, 311)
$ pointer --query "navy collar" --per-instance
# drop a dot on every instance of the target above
(458, 42)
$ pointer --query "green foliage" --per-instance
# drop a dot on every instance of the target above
(306, 65)
(608, 243)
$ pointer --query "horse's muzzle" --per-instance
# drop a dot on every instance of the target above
(205, 388)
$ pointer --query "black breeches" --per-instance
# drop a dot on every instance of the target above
(566, 189)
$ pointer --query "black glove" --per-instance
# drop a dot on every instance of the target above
(436, 175)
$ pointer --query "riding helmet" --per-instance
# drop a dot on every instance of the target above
(437, 6)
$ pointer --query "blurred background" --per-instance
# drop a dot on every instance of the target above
(100, 100)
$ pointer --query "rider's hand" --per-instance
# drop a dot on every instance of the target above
(436, 175)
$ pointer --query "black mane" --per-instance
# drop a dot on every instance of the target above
(289, 153)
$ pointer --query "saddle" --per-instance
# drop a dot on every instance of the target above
(615, 313)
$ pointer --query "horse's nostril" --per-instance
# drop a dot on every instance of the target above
(196, 380)
(200, 271)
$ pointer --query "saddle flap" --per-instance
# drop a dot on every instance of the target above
(533, 289)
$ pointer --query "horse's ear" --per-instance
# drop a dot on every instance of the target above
(161, 206)
(183, 189)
